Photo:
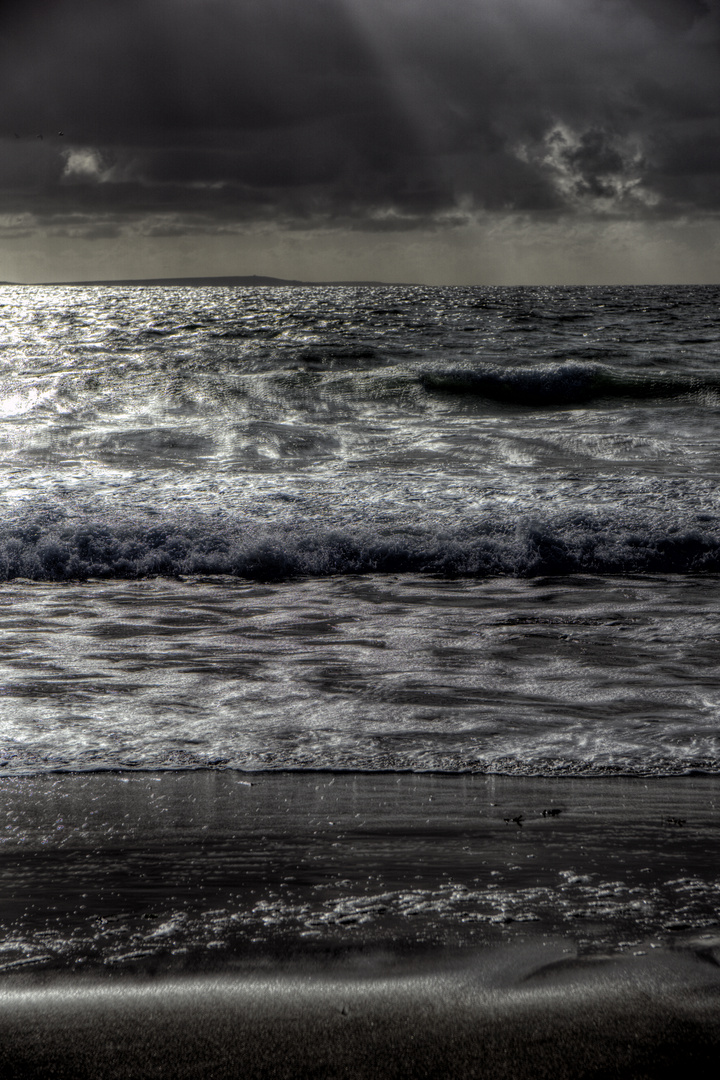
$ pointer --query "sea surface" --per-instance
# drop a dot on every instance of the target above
(380, 531)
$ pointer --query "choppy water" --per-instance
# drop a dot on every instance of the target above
(378, 528)
(458, 531)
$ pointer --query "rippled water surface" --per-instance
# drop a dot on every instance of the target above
(549, 676)
(378, 528)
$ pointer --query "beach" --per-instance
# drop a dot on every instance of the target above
(359, 540)
(284, 924)
(359, 682)
(630, 1019)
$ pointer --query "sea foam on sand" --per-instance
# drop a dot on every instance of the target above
(358, 925)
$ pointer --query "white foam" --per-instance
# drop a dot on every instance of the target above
(499, 545)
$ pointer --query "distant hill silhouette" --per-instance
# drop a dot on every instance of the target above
(250, 280)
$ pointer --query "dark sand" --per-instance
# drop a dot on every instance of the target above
(623, 1018)
(310, 925)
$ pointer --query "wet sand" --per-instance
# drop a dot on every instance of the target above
(350, 925)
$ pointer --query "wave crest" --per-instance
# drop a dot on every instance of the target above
(490, 547)
(559, 384)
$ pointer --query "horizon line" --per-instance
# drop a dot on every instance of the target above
(250, 280)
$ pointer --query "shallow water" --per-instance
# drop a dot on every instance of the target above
(550, 676)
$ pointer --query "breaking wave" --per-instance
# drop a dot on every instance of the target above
(525, 547)
(560, 384)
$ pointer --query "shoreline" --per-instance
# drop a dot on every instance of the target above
(358, 925)
(97, 868)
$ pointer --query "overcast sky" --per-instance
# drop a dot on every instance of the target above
(441, 141)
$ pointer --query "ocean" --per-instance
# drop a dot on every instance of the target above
(340, 620)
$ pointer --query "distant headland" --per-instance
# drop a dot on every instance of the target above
(247, 281)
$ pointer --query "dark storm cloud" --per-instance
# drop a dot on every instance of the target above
(370, 112)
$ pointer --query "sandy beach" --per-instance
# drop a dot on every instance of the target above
(333, 925)
(508, 1014)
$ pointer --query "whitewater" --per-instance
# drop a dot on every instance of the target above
(395, 528)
